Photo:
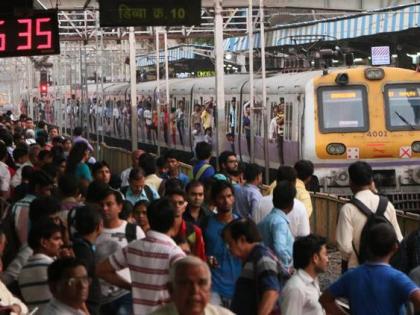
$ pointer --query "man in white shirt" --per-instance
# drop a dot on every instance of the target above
(4, 172)
(116, 235)
(301, 293)
(69, 284)
(298, 217)
(135, 156)
(189, 287)
(149, 260)
(351, 220)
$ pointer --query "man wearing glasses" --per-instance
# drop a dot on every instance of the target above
(69, 285)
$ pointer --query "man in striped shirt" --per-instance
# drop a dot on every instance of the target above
(45, 240)
(148, 259)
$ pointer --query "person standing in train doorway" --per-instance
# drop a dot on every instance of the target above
(280, 131)
(246, 123)
(180, 121)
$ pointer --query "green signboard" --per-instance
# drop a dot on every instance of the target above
(149, 12)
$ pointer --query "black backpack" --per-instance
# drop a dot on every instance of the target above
(131, 232)
(13, 243)
(373, 218)
(147, 190)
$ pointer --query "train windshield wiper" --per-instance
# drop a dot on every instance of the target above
(404, 120)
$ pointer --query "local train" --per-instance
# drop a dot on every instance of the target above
(331, 117)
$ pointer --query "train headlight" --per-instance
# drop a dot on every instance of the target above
(336, 148)
(342, 79)
(415, 146)
(374, 73)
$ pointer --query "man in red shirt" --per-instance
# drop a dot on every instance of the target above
(188, 236)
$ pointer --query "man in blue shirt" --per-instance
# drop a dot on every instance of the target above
(172, 163)
(248, 196)
(258, 287)
(274, 228)
(374, 288)
(225, 268)
(137, 189)
(202, 170)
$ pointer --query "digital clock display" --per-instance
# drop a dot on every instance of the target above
(149, 12)
(29, 35)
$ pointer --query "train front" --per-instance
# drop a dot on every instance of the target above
(371, 114)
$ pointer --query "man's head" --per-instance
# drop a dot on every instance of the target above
(310, 251)
(222, 195)
(41, 184)
(45, 157)
(361, 175)
(253, 174)
(140, 214)
(53, 132)
(283, 196)
(195, 193)
(20, 154)
(172, 161)
(240, 236)
(304, 170)
(45, 237)
(112, 204)
(68, 186)
(42, 207)
(189, 285)
(69, 281)
(178, 200)
(136, 180)
(203, 151)
(148, 163)
(287, 173)
(382, 241)
(29, 123)
(135, 156)
(228, 162)
(88, 220)
(161, 216)
(101, 172)
(77, 131)
(96, 192)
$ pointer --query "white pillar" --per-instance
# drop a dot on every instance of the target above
(220, 131)
(251, 77)
(30, 108)
(132, 39)
(158, 107)
(264, 94)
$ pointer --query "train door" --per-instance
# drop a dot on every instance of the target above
(231, 120)
(287, 143)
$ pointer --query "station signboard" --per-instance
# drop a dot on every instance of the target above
(149, 12)
(380, 55)
(31, 34)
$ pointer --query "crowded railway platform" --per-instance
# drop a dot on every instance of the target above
(209, 157)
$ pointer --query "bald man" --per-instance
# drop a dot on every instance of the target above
(135, 155)
(189, 287)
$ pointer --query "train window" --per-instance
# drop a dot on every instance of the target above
(402, 102)
(343, 109)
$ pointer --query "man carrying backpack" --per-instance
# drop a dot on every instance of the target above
(360, 214)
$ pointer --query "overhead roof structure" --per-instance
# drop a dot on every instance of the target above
(371, 23)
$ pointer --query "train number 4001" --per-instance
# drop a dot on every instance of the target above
(375, 133)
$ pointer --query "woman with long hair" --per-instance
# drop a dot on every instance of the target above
(76, 163)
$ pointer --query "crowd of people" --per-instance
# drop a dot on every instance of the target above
(76, 238)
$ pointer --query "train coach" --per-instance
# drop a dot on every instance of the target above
(331, 117)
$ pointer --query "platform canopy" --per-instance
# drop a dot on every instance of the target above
(315, 4)
(385, 22)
